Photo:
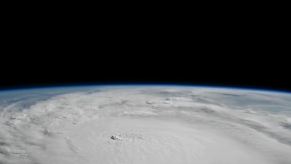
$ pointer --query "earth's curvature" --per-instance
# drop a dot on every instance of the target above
(144, 125)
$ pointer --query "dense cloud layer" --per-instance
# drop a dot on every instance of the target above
(146, 125)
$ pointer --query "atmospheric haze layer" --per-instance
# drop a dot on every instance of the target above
(143, 125)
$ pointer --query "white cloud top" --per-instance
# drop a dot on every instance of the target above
(142, 125)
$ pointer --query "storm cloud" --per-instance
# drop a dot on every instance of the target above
(145, 124)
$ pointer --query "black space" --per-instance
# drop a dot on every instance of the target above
(48, 52)
(118, 68)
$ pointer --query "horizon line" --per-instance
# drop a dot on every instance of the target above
(77, 85)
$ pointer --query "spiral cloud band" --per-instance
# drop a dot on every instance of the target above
(142, 125)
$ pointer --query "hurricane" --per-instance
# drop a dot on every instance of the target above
(145, 124)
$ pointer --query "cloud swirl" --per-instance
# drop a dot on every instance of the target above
(146, 125)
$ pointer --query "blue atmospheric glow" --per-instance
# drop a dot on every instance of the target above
(109, 85)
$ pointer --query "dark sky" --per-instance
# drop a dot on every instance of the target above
(222, 53)
(48, 70)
